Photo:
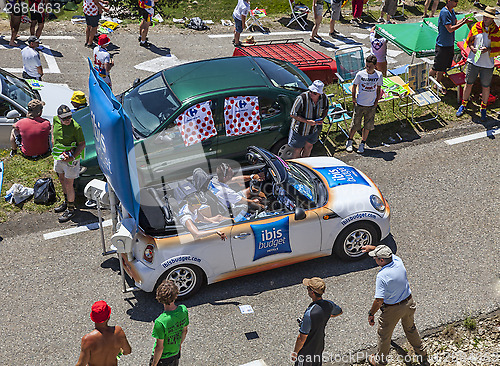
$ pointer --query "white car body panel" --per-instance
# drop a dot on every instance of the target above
(53, 95)
(313, 237)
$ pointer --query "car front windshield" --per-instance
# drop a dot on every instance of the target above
(16, 90)
(302, 183)
(150, 104)
(282, 74)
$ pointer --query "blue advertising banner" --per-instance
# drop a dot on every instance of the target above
(114, 143)
(271, 238)
(340, 175)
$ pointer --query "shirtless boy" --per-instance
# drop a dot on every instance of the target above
(101, 346)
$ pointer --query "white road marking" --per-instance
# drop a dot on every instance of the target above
(394, 53)
(474, 136)
(159, 63)
(360, 35)
(243, 35)
(75, 230)
(51, 68)
(25, 38)
(255, 363)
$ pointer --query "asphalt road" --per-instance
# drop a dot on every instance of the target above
(444, 202)
(66, 59)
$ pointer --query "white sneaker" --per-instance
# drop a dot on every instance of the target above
(348, 146)
(361, 148)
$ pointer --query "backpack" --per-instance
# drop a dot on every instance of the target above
(44, 191)
(197, 24)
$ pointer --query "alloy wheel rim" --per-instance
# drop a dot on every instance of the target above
(355, 241)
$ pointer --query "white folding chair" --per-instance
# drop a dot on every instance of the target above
(299, 14)
(254, 18)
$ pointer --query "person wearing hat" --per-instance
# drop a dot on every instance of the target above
(484, 44)
(78, 100)
(105, 343)
(31, 134)
(102, 59)
(393, 298)
(308, 112)
(310, 343)
(170, 328)
(366, 92)
(445, 41)
(196, 211)
(32, 66)
(68, 146)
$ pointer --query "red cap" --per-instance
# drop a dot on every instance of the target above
(100, 312)
(103, 40)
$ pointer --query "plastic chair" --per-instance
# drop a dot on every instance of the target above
(336, 115)
(299, 14)
(254, 18)
(349, 61)
(419, 81)
(328, 8)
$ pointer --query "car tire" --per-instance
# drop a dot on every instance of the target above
(282, 149)
(187, 277)
(350, 240)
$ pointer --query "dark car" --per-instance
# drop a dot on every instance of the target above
(156, 105)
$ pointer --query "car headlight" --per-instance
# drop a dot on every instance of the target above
(377, 203)
(149, 253)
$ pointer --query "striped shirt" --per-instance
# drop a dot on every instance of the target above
(305, 108)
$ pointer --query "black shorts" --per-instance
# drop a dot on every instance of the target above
(39, 17)
(16, 9)
(92, 20)
(443, 58)
(145, 15)
(170, 361)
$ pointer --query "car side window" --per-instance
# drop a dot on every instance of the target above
(269, 107)
(5, 107)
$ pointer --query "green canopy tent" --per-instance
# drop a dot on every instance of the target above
(418, 39)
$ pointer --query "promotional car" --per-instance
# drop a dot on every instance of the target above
(313, 207)
(155, 105)
(15, 93)
(285, 212)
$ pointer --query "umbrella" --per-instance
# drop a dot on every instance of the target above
(413, 38)
(419, 38)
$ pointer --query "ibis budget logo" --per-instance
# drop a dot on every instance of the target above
(271, 238)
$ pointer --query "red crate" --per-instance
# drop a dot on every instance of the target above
(316, 65)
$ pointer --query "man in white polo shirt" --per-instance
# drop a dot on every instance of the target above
(393, 298)
(32, 67)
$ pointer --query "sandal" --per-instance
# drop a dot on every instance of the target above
(372, 360)
(313, 40)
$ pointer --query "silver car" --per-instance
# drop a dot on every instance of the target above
(15, 93)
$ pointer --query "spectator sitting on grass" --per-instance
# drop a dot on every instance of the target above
(31, 134)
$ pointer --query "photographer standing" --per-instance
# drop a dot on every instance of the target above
(310, 343)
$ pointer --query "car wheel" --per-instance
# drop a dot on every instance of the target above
(188, 279)
(282, 149)
(350, 240)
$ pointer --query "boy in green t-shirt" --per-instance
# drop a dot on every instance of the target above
(170, 327)
(68, 146)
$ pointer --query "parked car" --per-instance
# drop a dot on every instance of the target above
(155, 105)
(15, 93)
(314, 207)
